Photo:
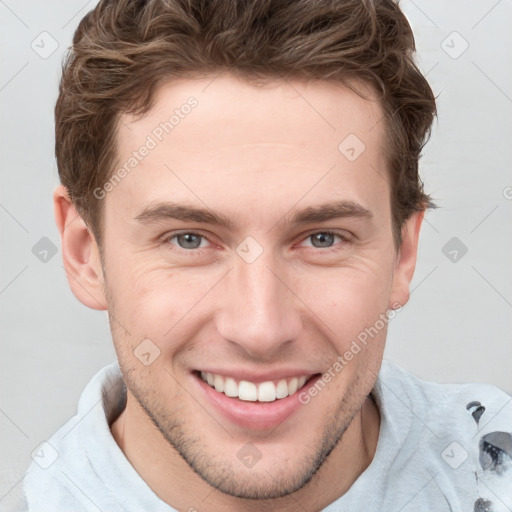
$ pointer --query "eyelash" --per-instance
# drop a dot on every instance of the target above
(171, 236)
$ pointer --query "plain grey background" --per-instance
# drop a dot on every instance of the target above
(457, 325)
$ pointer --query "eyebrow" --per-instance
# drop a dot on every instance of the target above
(169, 210)
(329, 211)
(321, 213)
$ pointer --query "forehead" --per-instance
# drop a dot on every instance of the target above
(267, 108)
(216, 138)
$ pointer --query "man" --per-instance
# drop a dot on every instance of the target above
(240, 191)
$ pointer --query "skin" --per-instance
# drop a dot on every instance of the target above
(256, 155)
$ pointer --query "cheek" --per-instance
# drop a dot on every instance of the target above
(347, 300)
(155, 301)
(152, 312)
(167, 304)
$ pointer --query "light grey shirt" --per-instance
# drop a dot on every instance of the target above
(441, 447)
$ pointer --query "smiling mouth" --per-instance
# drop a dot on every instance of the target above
(268, 391)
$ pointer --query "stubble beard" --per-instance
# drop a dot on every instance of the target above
(226, 476)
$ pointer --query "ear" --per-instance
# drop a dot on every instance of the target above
(80, 253)
(406, 261)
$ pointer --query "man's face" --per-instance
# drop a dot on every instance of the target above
(269, 297)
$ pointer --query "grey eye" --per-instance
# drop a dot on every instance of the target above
(325, 239)
(188, 240)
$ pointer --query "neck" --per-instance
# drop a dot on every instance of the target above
(158, 463)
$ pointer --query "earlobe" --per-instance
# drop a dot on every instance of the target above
(80, 253)
(406, 261)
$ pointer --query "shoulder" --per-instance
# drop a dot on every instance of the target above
(462, 411)
(475, 402)
(460, 433)
(65, 458)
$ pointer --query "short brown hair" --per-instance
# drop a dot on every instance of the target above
(123, 49)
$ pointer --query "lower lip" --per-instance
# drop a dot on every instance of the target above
(254, 415)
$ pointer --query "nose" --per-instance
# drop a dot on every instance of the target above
(259, 311)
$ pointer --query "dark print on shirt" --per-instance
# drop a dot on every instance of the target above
(495, 458)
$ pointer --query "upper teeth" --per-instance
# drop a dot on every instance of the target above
(263, 392)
